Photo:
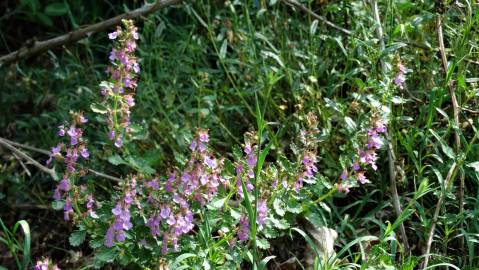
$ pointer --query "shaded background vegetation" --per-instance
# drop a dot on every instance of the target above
(202, 62)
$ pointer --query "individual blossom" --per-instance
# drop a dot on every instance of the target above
(45, 264)
(89, 205)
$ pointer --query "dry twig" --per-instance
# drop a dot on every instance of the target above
(457, 139)
(45, 152)
(26, 157)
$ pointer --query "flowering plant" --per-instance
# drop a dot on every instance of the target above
(208, 205)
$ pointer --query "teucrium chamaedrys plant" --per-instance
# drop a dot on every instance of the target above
(205, 207)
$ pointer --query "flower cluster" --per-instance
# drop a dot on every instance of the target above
(45, 264)
(245, 170)
(119, 91)
(308, 158)
(197, 182)
(243, 231)
(400, 77)
(367, 157)
(122, 215)
(74, 148)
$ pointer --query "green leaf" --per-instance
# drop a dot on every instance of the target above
(181, 258)
(280, 223)
(26, 243)
(116, 160)
(278, 206)
(445, 148)
(76, 238)
(218, 203)
(265, 261)
(224, 47)
(392, 48)
(98, 108)
(263, 244)
(58, 205)
(56, 9)
(474, 165)
(314, 26)
(293, 206)
(106, 255)
(350, 124)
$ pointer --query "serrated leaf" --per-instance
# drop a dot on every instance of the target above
(77, 238)
(280, 223)
(96, 243)
(263, 243)
(270, 233)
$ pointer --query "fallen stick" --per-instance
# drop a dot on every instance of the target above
(45, 45)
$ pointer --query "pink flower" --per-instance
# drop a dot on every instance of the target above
(113, 35)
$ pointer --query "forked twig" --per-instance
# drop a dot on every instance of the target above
(45, 152)
(26, 157)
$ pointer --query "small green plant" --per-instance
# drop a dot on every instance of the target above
(17, 245)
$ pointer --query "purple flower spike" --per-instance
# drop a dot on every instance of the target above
(243, 232)
(262, 211)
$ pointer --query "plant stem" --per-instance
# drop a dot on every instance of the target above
(391, 155)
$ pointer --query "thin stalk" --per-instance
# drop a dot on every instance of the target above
(391, 155)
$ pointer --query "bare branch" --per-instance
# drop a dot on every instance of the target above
(45, 152)
(28, 158)
(42, 46)
(456, 111)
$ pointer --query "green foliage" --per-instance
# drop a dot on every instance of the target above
(240, 66)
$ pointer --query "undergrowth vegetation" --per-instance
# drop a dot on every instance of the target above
(242, 135)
